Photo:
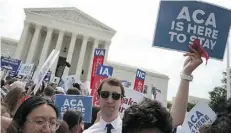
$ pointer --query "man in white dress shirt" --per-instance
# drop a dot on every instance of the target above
(110, 93)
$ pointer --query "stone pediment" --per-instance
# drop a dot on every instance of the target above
(71, 14)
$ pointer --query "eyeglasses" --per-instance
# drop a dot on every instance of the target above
(106, 94)
(41, 124)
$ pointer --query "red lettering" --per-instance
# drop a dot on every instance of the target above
(121, 109)
(130, 102)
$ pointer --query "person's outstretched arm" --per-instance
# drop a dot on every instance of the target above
(179, 106)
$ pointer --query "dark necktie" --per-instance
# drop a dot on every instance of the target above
(109, 127)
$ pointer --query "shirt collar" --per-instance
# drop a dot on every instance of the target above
(117, 123)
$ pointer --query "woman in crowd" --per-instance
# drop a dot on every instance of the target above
(35, 115)
(13, 99)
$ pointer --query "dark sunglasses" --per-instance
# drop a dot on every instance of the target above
(106, 94)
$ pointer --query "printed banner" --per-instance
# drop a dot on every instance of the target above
(45, 68)
(25, 69)
(97, 60)
(10, 64)
(181, 22)
(75, 103)
(139, 81)
(131, 97)
(199, 116)
(101, 73)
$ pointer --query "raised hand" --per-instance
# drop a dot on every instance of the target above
(192, 62)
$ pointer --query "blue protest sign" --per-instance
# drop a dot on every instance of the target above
(140, 74)
(70, 102)
(104, 71)
(10, 64)
(181, 22)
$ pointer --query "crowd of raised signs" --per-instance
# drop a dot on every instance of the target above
(23, 111)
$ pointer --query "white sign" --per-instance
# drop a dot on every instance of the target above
(25, 69)
(131, 97)
(45, 68)
(199, 116)
(68, 81)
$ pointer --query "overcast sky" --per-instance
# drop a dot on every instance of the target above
(134, 21)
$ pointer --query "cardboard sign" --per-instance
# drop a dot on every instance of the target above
(199, 116)
(97, 60)
(102, 73)
(25, 69)
(131, 97)
(181, 22)
(139, 80)
(45, 68)
(70, 102)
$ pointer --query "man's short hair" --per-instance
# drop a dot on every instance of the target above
(73, 91)
(148, 114)
(72, 118)
(112, 82)
(49, 91)
(76, 85)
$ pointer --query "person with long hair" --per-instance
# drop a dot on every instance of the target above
(13, 99)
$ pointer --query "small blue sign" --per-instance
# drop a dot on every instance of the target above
(181, 22)
(104, 71)
(75, 103)
(140, 74)
(99, 52)
(10, 64)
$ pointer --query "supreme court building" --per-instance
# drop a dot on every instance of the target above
(76, 35)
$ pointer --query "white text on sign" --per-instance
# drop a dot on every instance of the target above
(207, 34)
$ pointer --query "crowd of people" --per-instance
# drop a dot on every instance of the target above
(22, 111)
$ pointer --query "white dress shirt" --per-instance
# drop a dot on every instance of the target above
(100, 127)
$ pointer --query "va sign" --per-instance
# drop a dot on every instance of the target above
(99, 52)
(181, 22)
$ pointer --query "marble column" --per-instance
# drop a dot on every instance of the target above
(22, 41)
(95, 45)
(106, 47)
(33, 45)
(44, 53)
(70, 53)
(57, 47)
(81, 57)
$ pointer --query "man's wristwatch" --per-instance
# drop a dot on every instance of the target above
(186, 77)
